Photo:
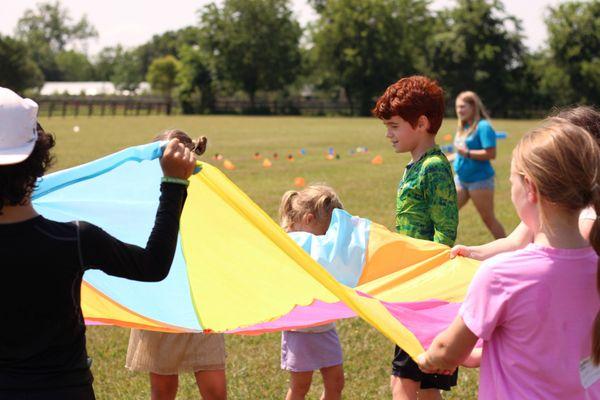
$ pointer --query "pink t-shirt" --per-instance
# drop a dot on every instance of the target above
(534, 308)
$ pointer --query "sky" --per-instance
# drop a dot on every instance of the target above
(133, 22)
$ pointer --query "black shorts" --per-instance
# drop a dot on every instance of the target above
(404, 367)
(70, 393)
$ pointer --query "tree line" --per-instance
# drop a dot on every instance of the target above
(353, 50)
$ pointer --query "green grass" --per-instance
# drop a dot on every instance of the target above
(366, 190)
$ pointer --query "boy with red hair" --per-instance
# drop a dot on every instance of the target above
(412, 109)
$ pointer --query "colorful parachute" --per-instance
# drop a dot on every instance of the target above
(237, 271)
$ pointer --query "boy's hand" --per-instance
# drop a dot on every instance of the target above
(177, 160)
(460, 250)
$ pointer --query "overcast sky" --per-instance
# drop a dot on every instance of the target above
(133, 22)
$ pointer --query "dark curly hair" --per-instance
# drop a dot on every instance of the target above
(411, 97)
(17, 181)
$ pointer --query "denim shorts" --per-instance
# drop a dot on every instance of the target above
(486, 184)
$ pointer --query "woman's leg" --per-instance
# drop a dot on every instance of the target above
(163, 387)
(483, 199)
(462, 196)
(333, 382)
(212, 384)
(299, 385)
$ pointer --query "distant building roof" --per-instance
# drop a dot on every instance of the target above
(88, 88)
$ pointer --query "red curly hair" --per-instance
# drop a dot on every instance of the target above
(411, 97)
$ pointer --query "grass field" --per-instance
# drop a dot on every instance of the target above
(366, 190)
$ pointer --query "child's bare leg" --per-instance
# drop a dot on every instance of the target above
(483, 199)
(333, 382)
(462, 197)
(212, 384)
(163, 387)
(404, 388)
(430, 394)
(299, 385)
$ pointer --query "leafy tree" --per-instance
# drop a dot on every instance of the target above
(126, 70)
(168, 43)
(74, 66)
(162, 76)
(17, 70)
(48, 30)
(195, 79)
(549, 85)
(105, 62)
(364, 45)
(255, 43)
(474, 49)
(121, 67)
(574, 39)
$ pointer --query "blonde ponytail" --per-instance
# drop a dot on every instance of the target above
(320, 200)
(287, 214)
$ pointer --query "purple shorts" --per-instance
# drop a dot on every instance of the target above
(304, 351)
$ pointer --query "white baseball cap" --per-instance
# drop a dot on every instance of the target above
(18, 127)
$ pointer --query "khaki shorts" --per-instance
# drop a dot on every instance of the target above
(173, 353)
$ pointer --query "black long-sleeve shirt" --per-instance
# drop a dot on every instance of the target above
(42, 332)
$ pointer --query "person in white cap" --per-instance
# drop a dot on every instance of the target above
(42, 340)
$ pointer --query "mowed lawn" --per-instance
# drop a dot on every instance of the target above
(367, 190)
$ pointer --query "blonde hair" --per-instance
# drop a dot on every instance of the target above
(563, 161)
(479, 109)
(319, 200)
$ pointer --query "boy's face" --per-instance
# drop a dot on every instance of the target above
(401, 134)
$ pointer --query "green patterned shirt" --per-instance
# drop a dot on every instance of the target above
(426, 206)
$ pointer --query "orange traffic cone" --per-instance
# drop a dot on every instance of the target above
(377, 160)
(267, 163)
(299, 182)
(228, 165)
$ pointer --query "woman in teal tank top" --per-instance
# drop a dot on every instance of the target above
(475, 143)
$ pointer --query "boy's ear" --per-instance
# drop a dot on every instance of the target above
(423, 123)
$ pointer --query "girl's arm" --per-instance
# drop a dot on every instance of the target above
(474, 359)
(487, 136)
(518, 239)
(448, 350)
(99, 250)
(479, 155)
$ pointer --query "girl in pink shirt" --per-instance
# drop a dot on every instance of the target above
(535, 308)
